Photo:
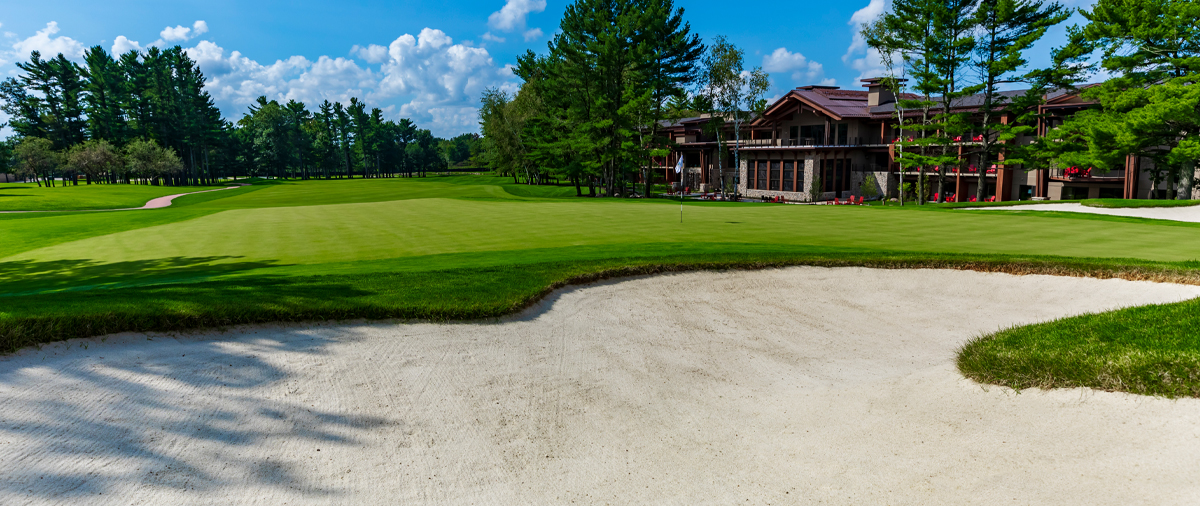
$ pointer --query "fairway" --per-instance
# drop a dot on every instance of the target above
(31, 197)
(359, 221)
(474, 246)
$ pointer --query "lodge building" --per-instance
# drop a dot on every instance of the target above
(823, 141)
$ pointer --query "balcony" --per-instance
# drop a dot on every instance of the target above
(812, 142)
(1079, 175)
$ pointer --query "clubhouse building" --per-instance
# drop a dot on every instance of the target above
(823, 141)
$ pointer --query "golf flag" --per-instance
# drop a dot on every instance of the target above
(679, 166)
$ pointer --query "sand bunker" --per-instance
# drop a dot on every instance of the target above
(1189, 213)
(801, 385)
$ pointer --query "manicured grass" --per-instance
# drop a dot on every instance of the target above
(450, 287)
(1117, 203)
(461, 247)
(29, 197)
(1151, 350)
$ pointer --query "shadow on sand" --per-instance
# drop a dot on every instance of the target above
(130, 415)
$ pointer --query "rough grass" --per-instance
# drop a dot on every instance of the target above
(1149, 350)
(1119, 203)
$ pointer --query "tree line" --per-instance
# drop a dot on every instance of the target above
(144, 117)
(591, 109)
(951, 49)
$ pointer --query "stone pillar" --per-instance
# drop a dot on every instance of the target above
(809, 173)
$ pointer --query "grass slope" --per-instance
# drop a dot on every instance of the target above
(1152, 350)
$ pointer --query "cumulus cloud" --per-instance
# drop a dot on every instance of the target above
(123, 45)
(492, 38)
(182, 33)
(858, 56)
(436, 80)
(428, 77)
(513, 16)
(373, 53)
(49, 46)
(444, 79)
(801, 69)
(534, 34)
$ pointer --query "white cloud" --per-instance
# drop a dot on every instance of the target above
(512, 17)
(802, 69)
(123, 45)
(180, 33)
(373, 53)
(492, 38)
(50, 47)
(437, 81)
(858, 56)
(443, 79)
(427, 77)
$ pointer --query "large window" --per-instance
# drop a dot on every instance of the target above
(762, 174)
(1074, 192)
(835, 175)
(774, 175)
(813, 134)
(789, 179)
(843, 134)
(793, 132)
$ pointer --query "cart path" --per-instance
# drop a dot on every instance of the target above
(157, 203)
(791, 386)
(1187, 213)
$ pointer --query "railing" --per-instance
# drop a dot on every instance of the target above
(813, 142)
(1081, 174)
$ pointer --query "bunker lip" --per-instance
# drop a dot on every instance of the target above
(156, 203)
(833, 384)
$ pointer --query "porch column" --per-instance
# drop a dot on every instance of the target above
(1132, 173)
(1003, 184)
(960, 188)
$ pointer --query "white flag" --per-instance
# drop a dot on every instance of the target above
(679, 166)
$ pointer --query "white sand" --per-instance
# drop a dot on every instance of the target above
(1189, 213)
(794, 386)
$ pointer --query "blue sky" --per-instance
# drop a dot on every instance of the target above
(426, 60)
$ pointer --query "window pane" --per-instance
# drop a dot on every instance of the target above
(775, 176)
(762, 175)
(788, 178)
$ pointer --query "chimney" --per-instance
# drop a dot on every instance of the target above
(877, 93)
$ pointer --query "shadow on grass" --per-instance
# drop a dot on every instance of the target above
(128, 415)
(25, 277)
